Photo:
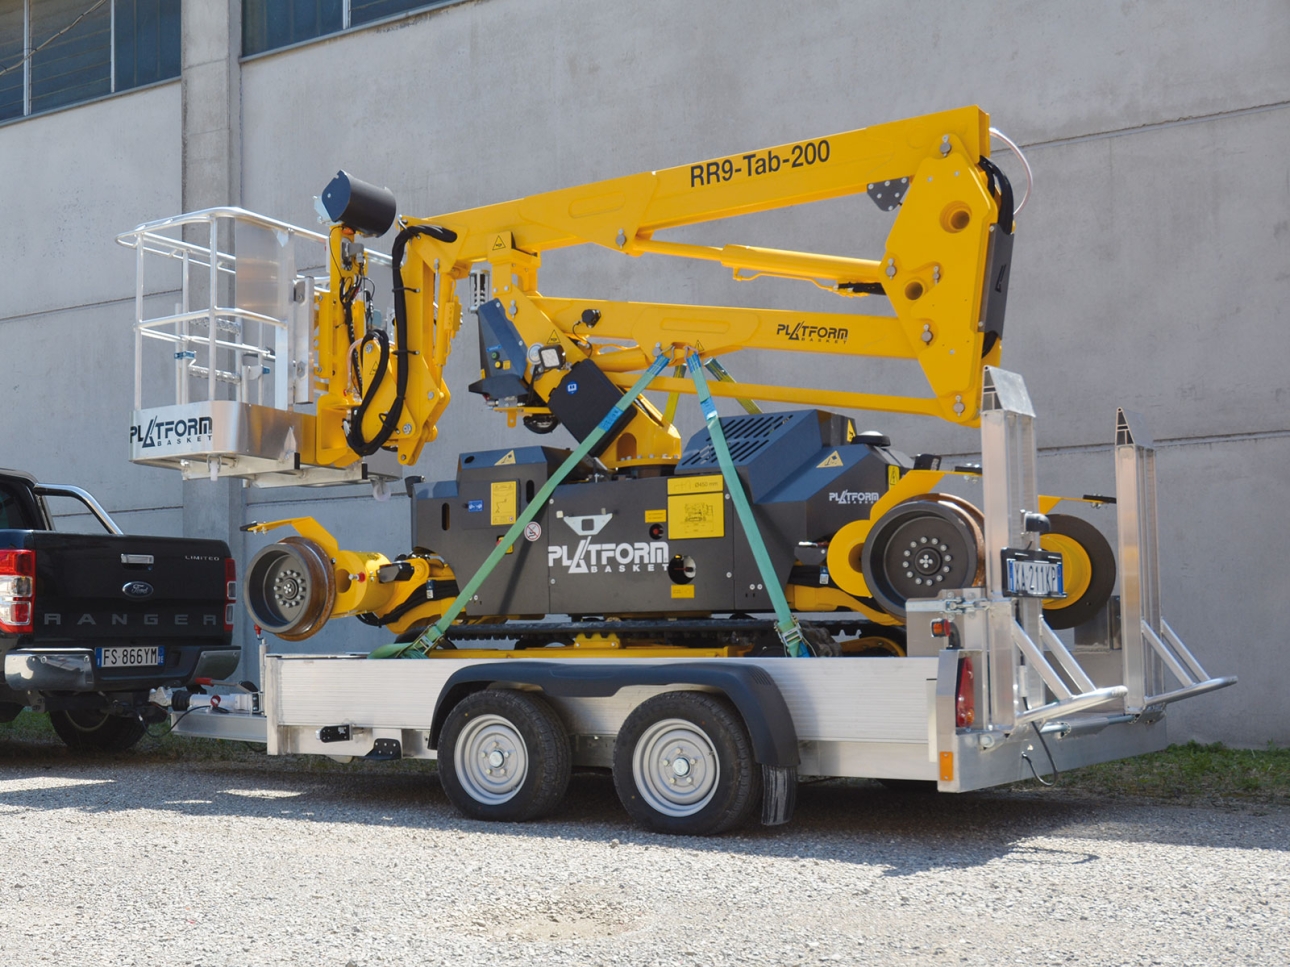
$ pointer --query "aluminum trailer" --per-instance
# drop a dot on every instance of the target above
(987, 694)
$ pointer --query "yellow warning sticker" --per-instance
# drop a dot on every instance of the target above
(893, 476)
(503, 505)
(502, 241)
(682, 590)
(834, 459)
(656, 516)
(695, 515)
(553, 339)
(508, 458)
(694, 485)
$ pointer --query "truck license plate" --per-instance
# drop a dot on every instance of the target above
(1033, 574)
(131, 657)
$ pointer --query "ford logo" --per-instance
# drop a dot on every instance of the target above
(137, 590)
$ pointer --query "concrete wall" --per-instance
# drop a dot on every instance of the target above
(71, 181)
(1150, 267)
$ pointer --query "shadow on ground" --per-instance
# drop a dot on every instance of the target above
(851, 821)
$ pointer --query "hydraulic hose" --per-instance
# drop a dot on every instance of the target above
(390, 421)
(1004, 188)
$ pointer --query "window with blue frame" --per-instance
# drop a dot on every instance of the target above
(55, 53)
(270, 24)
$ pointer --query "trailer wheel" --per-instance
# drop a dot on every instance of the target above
(683, 763)
(504, 755)
(1089, 566)
(91, 731)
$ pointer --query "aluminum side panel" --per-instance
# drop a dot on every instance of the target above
(855, 699)
(356, 691)
(830, 699)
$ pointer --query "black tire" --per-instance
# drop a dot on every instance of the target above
(93, 731)
(722, 779)
(1100, 561)
(534, 761)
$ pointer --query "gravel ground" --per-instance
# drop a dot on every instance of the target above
(139, 860)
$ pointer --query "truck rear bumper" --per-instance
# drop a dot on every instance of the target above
(73, 670)
(50, 670)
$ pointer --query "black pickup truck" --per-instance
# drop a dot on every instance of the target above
(91, 623)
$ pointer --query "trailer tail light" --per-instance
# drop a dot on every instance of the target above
(17, 591)
(965, 695)
(230, 591)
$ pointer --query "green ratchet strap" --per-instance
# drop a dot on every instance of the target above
(723, 376)
(431, 637)
(789, 631)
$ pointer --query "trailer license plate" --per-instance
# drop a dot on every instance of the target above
(131, 657)
(1033, 574)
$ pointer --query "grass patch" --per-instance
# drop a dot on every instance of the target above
(1192, 772)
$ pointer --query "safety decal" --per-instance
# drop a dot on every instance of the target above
(507, 459)
(532, 531)
(834, 459)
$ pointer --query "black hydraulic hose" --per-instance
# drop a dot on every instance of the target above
(390, 422)
(1005, 193)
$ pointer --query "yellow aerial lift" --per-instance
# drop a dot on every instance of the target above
(652, 590)
(944, 272)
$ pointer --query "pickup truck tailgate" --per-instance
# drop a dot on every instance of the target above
(135, 590)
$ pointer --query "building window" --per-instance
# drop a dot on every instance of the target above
(270, 24)
(54, 53)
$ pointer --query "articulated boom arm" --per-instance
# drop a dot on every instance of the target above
(944, 271)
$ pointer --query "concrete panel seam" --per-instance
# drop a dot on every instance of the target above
(1158, 126)
(96, 304)
(1184, 441)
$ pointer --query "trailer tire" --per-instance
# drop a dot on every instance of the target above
(720, 785)
(504, 756)
(95, 731)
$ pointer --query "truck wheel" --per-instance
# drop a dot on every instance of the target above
(683, 763)
(504, 755)
(89, 731)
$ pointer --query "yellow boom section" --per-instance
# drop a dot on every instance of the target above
(934, 270)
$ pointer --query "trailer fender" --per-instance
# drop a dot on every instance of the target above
(753, 692)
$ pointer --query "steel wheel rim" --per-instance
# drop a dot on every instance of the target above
(491, 759)
(282, 590)
(666, 785)
(79, 726)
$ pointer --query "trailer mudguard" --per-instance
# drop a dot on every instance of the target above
(753, 692)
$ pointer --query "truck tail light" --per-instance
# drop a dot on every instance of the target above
(965, 695)
(230, 591)
(17, 591)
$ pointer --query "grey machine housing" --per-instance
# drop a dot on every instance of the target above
(607, 544)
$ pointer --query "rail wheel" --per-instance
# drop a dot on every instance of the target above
(922, 546)
(504, 755)
(1088, 567)
(291, 588)
(683, 763)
